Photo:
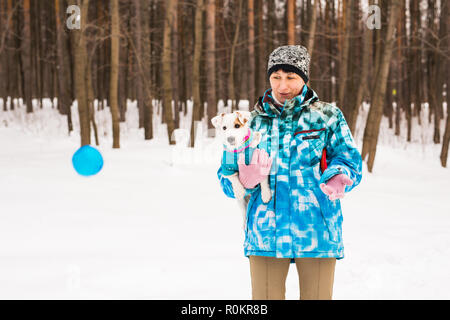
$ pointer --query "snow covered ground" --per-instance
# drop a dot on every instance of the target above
(154, 223)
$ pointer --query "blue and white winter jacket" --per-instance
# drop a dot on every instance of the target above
(300, 220)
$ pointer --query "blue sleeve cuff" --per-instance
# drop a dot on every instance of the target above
(332, 171)
(225, 184)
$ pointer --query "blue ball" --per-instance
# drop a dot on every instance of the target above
(87, 161)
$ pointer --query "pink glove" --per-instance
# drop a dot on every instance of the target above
(335, 187)
(256, 171)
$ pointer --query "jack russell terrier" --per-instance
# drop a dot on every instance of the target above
(239, 138)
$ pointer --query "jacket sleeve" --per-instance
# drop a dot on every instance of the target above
(342, 154)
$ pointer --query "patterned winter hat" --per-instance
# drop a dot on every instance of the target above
(292, 58)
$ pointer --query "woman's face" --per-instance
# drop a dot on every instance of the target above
(285, 85)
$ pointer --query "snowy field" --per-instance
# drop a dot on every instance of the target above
(154, 223)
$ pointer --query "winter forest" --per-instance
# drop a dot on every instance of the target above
(142, 79)
(163, 53)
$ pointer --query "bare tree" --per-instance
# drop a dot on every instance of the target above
(114, 78)
(362, 87)
(231, 83)
(291, 21)
(80, 64)
(312, 28)
(26, 56)
(211, 64)
(196, 115)
(343, 63)
(166, 70)
(251, 52)
(445, 15)
(62, 68)
(379, 91)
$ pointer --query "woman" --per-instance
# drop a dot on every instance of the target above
(315, 161)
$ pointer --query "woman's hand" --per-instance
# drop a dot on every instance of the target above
(256, 171)
(335, 187)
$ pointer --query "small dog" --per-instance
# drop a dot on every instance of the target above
(239, 138)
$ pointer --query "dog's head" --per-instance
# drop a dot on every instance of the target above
(233, 127)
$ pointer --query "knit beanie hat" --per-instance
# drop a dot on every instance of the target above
(292, 58)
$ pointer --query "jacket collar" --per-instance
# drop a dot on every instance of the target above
(266, 105)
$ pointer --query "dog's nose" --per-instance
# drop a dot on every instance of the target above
(231, 140)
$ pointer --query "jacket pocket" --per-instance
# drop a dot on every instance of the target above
(310, 145)
(330, 217)
(260, 226)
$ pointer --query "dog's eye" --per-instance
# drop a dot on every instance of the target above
(237, 126)
(224, 128)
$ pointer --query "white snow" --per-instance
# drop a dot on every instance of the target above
(154, 223)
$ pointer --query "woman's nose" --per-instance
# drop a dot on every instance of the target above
(283, 86)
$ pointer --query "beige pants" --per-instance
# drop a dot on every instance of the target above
(269, 274)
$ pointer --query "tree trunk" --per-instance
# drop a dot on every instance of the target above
(166, 70)
(12, 64)
(37, 56)
(446, 138)
(26, 57)
(251, 54)
(114, 77)
(80, 64)
(367, 43)
(376, 110)
(62, 68)
(400, 66)
(260, 72)
(182, 54)
(175, 68)
(90, 100)
(290, 22)
(312, 28)
(211, 65)
(196, 116)
(232, 56)
(343, 63)
(138, 65)
(146, 73)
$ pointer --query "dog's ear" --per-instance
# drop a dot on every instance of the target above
(217, 120)
(243, 116)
